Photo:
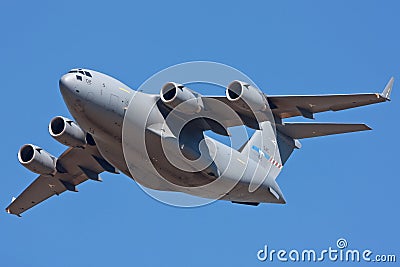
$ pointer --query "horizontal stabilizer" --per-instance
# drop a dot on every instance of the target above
(308, 130)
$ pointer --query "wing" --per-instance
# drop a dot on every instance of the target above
(289, 106)
(306, 106)
(217, 115)
(77, 165)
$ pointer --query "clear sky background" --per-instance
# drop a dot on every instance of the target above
(338, 186)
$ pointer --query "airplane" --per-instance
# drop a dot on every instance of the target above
(159, 140)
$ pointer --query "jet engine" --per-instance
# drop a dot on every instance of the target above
(181, 98)
(37, 160)
(246, 96)
(67, 132)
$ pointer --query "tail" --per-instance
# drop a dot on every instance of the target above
(270, 143)
(270, 149)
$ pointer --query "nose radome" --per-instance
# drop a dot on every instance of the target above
(66, 82)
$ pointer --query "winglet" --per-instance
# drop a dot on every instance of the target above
(388, 89)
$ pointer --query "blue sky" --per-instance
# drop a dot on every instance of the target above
(338, 186)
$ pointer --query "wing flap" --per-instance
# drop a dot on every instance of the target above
(308, 130)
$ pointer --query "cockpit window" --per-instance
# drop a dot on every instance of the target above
(83, 72)
(79, 77)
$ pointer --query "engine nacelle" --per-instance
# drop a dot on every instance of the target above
(245, 95)
(181, 98)
(67, 132)
(37, 160)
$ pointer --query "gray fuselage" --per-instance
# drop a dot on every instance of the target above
(131, 132)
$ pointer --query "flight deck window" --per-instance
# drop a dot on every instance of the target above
(88, 74)
(81, 72)
(72, 71)
(79, 77)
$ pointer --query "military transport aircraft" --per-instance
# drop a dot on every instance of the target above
(158, 139)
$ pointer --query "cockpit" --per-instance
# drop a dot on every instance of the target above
(80, 71)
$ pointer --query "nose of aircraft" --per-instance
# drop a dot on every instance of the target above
(66, 83)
